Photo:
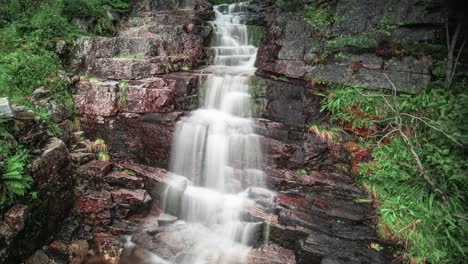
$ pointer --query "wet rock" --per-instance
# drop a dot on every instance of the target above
(272, 254)
(94, 202)
(155, 179)
(94, 170)
(124, 179)
(38, 258)
(165, 219)
(132, 197)
(97, 98)
(16, 217)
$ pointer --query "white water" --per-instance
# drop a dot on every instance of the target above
(216, 156)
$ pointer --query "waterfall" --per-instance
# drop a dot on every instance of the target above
(216, 156)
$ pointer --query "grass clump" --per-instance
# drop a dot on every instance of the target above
(14, 180)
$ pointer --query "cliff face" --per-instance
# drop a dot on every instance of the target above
(351, 42)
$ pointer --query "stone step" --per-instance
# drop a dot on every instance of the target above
(127, 47)
(130, 69)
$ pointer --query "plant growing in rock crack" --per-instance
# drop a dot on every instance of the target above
(130, 56)
(325, 132)
(14, 180)
(167, 67)
(185, 68)
(122, 87)
(301, 171)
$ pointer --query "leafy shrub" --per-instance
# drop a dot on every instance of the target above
(27, 68)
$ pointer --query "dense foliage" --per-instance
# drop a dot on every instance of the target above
(29, 32)
(410, 210)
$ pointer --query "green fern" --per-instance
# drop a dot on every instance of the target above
(14, 180)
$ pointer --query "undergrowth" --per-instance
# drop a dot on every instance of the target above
(411, 211)
(29, 32)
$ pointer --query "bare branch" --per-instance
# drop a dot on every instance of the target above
(433, 127)
(421, 171)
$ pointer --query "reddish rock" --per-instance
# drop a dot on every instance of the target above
(131, 197)
(148, 96)
(94, 202)
(272, 254)
(94, 170)
(16, 217)
(157, 139)
(154, 178)
(97, 98)
(124, 179)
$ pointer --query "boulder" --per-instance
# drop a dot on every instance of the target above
(135, 198)
(5, 109)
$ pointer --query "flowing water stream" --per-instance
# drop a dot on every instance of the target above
(216, 156)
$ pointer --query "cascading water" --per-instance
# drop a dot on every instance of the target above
(216, 156)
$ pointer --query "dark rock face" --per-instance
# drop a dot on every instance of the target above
(22, 231)
(289, 48)
(293, 105)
